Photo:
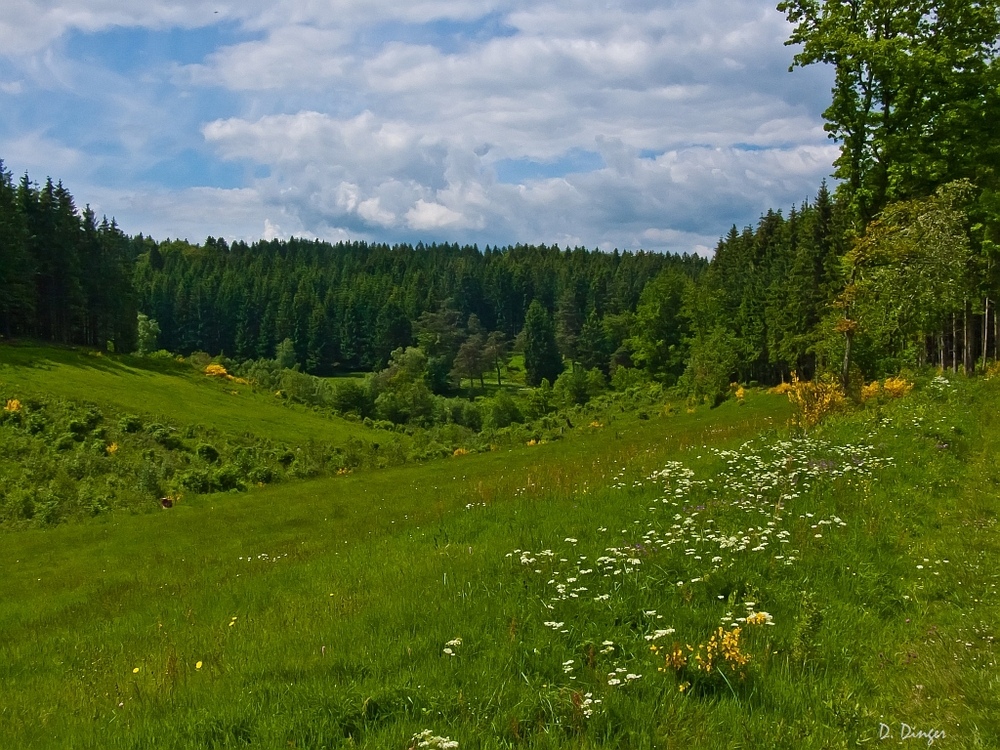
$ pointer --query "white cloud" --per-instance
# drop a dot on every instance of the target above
(368, 124)
(426, 215)
(291, 56)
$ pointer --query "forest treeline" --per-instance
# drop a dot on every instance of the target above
(771, 301)
(897, 267)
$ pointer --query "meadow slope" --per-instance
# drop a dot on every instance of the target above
(561, 595)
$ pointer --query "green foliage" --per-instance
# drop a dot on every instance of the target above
(914, 103)
(542, 360)
(577, 386)
(284, 355)
(909, 272)
(352, 397)
(657, 343)
(402, 393)
(711, 366)
(147, 336)
(501, 411)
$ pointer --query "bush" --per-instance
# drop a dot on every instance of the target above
(207, 452)
(815, 400)
(502, 411)
(130, 423)
(351, 397)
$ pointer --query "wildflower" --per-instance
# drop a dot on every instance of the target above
(135, 671)
(217, 371)
(111, 449)
(656, 635)
(897, 387)
(12, 405)
(760, 618)
(197, 665)
(428, 739)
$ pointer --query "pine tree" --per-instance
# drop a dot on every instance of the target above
(542, 360)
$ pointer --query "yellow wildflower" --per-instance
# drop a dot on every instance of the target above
(12, 405)
(897, 387)
(871, 390)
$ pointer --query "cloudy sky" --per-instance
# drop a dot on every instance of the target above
(651, 124)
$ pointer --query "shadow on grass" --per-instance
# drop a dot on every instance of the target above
(27, 355)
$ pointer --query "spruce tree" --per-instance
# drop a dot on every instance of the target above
(542, 360)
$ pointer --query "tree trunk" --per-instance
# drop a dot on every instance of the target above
(986, 328)
(845, 372)
(954, 342)
(968, 359)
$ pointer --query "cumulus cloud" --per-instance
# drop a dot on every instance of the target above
(631, 124)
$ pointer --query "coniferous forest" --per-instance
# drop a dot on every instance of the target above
(780, 297)
(896, 267)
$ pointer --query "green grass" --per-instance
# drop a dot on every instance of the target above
(158, 387)
(346, 591)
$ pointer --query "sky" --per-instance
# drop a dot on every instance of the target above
(648, 124)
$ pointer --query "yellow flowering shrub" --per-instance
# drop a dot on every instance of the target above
(871, 390)
(461, 452)
(897, 387)
(781, 389)
(814, 400)
(12, 405)
(740, 394)
(111, 449)
(217, 371)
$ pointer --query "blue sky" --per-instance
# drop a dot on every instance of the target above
(645, 124)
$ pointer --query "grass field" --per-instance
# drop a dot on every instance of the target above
(154, 386)
(561, 595)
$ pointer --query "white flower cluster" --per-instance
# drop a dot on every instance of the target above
(429, 740)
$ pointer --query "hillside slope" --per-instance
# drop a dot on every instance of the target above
(542, 597)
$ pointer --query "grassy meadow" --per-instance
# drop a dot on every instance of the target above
(694, 579)
(164, 386)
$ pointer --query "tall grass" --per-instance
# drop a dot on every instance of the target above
(363, 610)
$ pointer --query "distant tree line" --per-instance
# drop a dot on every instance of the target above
(349, 306)
(797, 293)
(64, 275)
